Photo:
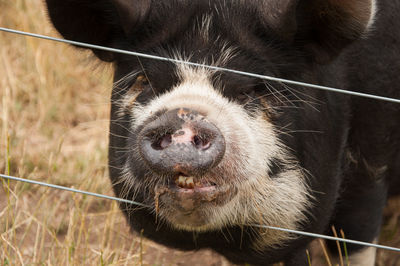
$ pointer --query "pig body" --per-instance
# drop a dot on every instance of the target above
(215, 153)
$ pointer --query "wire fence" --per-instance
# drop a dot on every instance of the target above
(172, 60)
(264, 77)
(314, 235)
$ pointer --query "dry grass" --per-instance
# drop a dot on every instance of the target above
(54, 124)
(54, 127)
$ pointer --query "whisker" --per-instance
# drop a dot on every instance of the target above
(309, 103)
(144, 72)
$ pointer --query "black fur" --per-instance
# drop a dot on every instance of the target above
(351, 147)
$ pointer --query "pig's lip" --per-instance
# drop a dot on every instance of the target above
(186, 200)
(204, 193)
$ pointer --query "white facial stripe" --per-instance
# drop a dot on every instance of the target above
(251, 145)
(204, 27)
(374, 10)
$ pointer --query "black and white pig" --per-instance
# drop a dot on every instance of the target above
(214, 153)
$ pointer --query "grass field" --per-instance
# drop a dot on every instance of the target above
(54, 124)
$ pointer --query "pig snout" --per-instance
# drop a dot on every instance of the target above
(181, 141)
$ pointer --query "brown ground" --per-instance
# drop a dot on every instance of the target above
(54, 121)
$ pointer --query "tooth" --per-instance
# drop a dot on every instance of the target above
(181, 181)
(189, 182)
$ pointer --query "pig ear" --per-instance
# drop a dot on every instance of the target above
(327, 26)
(100, 22)
(322, 27)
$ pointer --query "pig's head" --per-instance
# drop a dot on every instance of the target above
(212, 152)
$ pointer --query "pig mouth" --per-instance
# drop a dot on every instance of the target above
(187, 200)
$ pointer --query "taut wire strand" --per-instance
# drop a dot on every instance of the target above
(328, 237)
(287, 81)
(314, 235)
(71, 190)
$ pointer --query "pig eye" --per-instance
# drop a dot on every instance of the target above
(142, 79)
(141, 83)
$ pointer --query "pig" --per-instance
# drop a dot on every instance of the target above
(213, 154)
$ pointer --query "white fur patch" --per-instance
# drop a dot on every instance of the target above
(364, 257)
(251, 145)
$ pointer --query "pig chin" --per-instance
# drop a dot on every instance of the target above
(191, 206)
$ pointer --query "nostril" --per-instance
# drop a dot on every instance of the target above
(162, 142)
(201, 143)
